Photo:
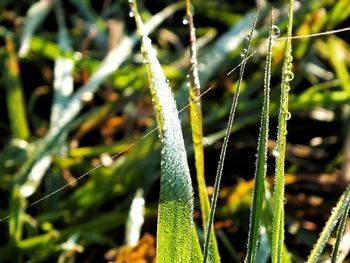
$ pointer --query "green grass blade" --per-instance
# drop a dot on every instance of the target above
(278, 216)
(244, 54)
(136, 218)
(337, 212)
(339, 235)
(217, 54)
(63, 71)
(267, 219)
(14, 93)
(35, 16)
(197, 131)
(196, 253)
(175, 222)
(260, 167)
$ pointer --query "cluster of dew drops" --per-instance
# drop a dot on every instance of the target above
(131, 12)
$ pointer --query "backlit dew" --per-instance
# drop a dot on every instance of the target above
(289, 76)
(86, 96)
(288, 116)
(185, 20)
(275, 152)
(275, 32)
(77, 55)
(244, 52)
(106, 160)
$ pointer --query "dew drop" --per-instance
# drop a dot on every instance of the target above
(86, 96)
(106, 159)
(244, 52)
(201, 66)
(289, 65)
(288, 116)
(289, 76)
(131, 14)
(275, 152)
(275, 32)
(185, 20)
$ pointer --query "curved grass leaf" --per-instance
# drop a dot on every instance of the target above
(194, 89)
(337, 212)
(214, 199)
(175, 222)
(284, 115)
(260, 167)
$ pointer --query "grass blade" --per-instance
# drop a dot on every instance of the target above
(260, 167)
(217, 54)
(284, 115)
(244, 54)
(337, 212)
(175, 222)
(14, 93)
(267, 219)
(63, 71)
(136, 218)
(35, 16)
(197, 131)
(339, 235)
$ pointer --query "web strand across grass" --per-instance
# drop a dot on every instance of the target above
(331, 32)
(113, 157)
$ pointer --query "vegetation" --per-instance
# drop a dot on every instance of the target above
(129, 131)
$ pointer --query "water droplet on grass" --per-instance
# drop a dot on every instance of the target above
(86, 96)
(275, 152)
(244, 52)
(288, 116)
(289, 76)
(185, 20)
(275, 32)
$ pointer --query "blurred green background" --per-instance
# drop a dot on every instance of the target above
(74, 96)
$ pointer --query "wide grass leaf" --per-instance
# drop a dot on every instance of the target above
(175, 222)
